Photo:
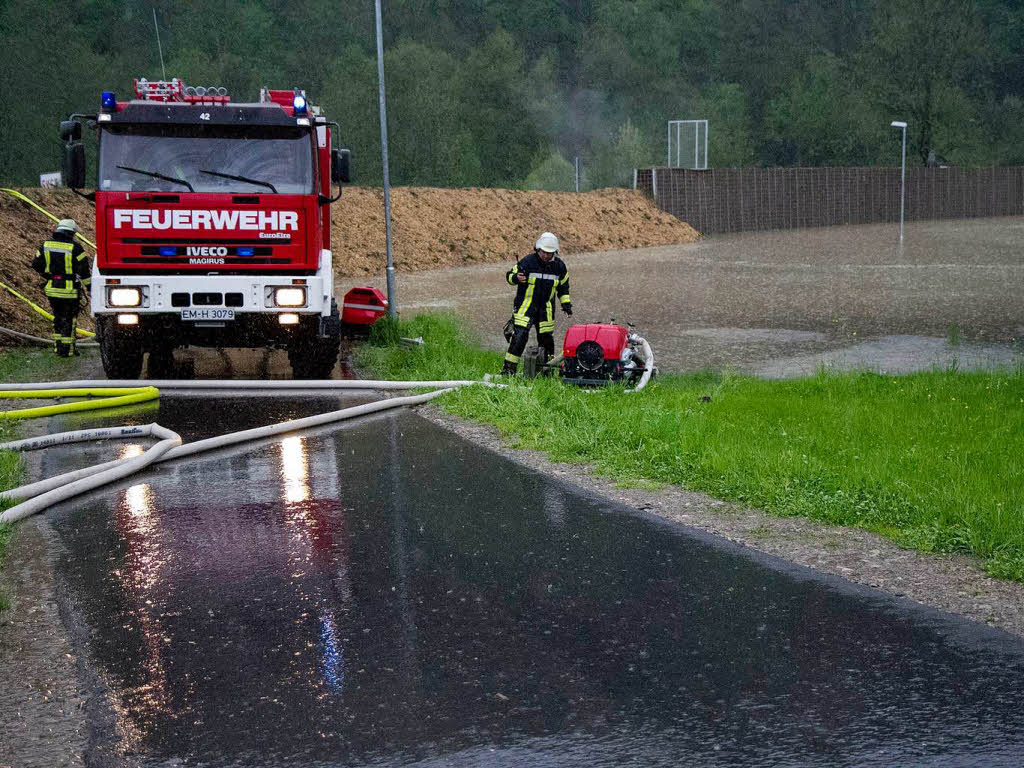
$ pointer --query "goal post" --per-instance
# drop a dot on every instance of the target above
(688, 144)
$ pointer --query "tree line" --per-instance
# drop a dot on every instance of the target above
(508, 93)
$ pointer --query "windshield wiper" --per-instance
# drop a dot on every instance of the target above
(156, 175)
(246, 179)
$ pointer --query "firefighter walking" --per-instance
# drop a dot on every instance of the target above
(64, 266)
(539, 278)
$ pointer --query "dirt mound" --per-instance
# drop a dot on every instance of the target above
(436, 228)
(22, 229)
(432, 228)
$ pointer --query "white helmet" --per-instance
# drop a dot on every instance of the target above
(547, 242)
(67, 225)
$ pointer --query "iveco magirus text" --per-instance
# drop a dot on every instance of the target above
(213, 225)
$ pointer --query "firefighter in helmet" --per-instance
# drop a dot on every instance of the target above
(65, 267)
(539, 278)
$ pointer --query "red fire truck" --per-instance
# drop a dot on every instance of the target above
(213, 225)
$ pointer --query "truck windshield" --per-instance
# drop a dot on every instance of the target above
(133, 158)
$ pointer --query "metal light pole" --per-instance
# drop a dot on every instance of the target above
(903, 169)
(392, 309)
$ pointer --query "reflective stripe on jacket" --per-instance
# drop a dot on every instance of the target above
(534, 302)
(65, 268)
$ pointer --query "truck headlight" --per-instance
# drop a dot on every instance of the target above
(124, 297)
(290, 297)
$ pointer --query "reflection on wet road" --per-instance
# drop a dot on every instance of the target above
(386, 594)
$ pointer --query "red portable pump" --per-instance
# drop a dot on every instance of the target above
(361, 308)
(598, 353)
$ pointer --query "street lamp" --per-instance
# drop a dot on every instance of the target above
(392, 309)
(903, 169)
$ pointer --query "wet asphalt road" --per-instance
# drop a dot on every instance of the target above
(386, 594)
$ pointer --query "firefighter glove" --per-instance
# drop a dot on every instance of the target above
(567, 308)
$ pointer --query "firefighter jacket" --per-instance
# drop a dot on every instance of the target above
(535, 299)
(66, 268)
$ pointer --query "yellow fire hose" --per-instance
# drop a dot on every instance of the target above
(40, 310)
(109, 397)
(16, 194)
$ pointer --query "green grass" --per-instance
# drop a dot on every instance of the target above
(450, 351)
(934, 461)
(18, 364)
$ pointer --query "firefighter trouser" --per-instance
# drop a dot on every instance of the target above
(65, 324)
(519, 339)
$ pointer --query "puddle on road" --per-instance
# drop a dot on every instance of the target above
(896, 354)
(756, 335)
(387, 594)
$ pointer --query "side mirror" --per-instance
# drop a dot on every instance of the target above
(70, 130)
(340, 162)
(73, 165)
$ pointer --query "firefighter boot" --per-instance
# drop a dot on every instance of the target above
(509, 369)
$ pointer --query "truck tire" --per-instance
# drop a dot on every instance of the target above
(314, 356)
(160, 364)
(121, 354)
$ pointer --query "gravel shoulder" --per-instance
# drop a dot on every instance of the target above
(43, 721)
(44, 704)
(949, 583)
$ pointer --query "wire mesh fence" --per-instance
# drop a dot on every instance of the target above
(748, 199)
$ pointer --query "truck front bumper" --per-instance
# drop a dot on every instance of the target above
(215, 310)
(173, 293)
(249, 294)
(244, 330)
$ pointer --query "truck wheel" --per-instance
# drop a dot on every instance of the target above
(120, 354)
(161, 363)
(534, 359)
(299, 355)
(314, 357)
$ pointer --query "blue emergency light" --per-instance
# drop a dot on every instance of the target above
(108, 100)
(299, 104)
(168, 250)
(245, 251)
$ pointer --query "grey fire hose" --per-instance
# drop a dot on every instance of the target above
(120, 469)
(172, 385)
(39, 495)
(648, 362)
(41, 340)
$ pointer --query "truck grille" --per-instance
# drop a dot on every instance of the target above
(206, 299)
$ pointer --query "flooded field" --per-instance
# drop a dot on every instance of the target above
(783, 303)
